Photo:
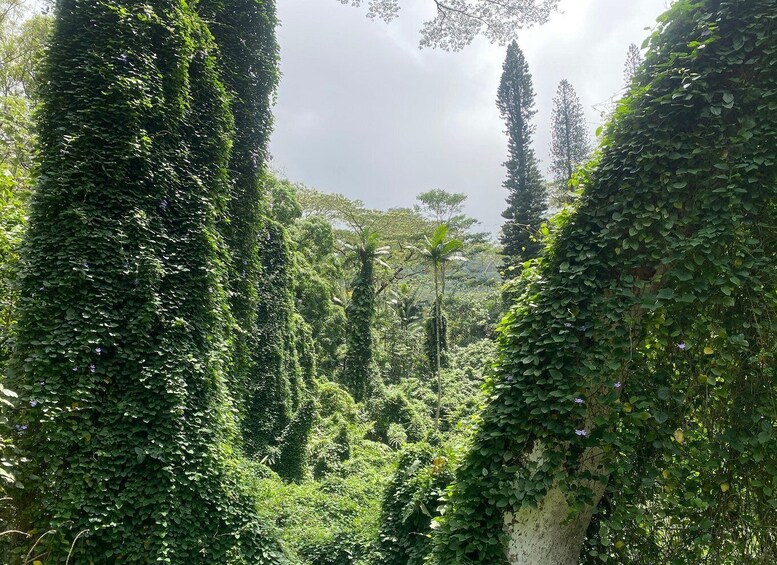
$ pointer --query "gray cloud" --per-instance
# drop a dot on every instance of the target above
(362, 111)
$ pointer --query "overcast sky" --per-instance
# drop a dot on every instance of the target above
(363, 112)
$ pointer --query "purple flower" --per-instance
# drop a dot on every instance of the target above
(509, 378)
(681, 346)
(579, 401)
(582, 328)
(164, 204)
(33, 403)
(21, 427)
(582, 433)
(98, 350)
(617, 385)
(92, 368)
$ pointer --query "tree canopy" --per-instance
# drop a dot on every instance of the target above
(457, 22)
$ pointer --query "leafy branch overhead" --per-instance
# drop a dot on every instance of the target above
(456, 23)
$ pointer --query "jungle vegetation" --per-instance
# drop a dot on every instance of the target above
(206, 362)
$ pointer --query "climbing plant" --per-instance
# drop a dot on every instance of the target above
(359, 370)
(640, 353)
(275, 392)
(244, 32)
(409, 503)
(292, 450)
(122, 334)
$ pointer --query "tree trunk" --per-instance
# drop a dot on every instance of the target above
(542, 535)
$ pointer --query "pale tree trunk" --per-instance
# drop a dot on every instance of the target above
(542, 535)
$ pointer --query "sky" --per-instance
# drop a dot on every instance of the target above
(362, 111)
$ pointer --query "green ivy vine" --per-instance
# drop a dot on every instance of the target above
(123, 333)
(359, 369)
(646, 333)
(276, 390)
(244, 32)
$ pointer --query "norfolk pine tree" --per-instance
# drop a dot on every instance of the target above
(526, 191)
(633, 60)
(570, 146)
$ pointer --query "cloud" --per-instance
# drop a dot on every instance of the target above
(362, 111)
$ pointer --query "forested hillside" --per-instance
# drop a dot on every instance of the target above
(204, 361)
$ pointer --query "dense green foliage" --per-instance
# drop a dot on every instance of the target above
(292, 444)
(318, 271)
(359, 371)
(214, 365)
(525, 187)
(275, 391)
(330, 515)
(13, 220)
(647, 333)
(122, 332)
(410, 502)
(244, 31)
(21, 45)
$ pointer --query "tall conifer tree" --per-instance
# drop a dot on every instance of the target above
(634, 59)
(120, 357)
(526, 190)
(570, 146)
